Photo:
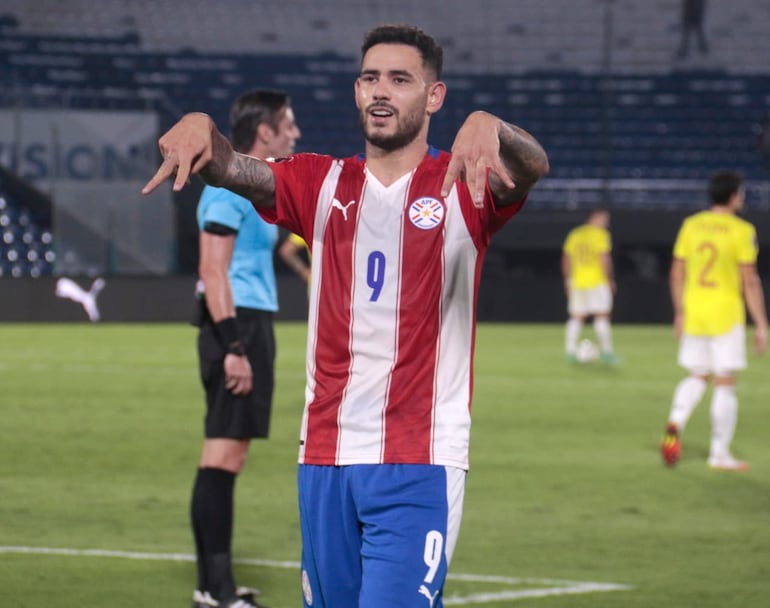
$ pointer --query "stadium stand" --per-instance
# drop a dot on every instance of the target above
(626, 122)
(26, 239)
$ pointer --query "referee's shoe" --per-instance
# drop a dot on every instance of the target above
(244, 598)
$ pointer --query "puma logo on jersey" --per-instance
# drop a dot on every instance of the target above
(344, 208)
(431, 598)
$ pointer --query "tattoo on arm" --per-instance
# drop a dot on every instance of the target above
(252, 179)
(239, 173)
(525, 159)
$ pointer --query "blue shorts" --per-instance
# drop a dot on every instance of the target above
(379, 535)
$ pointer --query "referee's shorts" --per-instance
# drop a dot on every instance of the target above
(238, 416)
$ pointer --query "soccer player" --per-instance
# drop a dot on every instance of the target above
(586, 265)
(713, 273)
(398, 236)
(236, 344)
(291, 252)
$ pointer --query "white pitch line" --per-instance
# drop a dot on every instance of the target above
(498, 596)
(168, 557)
(560, 587)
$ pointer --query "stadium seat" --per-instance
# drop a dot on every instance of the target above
(539, 64)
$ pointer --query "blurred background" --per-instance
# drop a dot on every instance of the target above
(635, 105)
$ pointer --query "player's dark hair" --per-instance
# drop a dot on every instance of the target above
(432, 54)
(723, 185)
(250, 110)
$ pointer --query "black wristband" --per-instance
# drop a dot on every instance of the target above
(236, 348)
(227, 329)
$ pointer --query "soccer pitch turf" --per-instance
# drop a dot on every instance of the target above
(567, 502)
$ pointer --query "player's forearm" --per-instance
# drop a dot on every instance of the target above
(524, 157)
(252, 179)
(755, 301)
(676, 286)
(245, 175)
(676, 301)
(608, 268)
(295, 262)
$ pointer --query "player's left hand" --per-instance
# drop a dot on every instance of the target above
(475, 152)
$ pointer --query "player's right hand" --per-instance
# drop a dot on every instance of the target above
(760, 340)
(476, 154)
(186, 148)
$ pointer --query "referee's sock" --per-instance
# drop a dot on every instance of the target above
(212, 522)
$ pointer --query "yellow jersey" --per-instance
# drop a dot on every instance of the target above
(585, 246)
(713, 246)
(298, 241)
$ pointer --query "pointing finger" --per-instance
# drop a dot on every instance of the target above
(165, 171)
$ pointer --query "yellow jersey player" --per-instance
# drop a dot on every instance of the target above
(713, 273)
(586, 266)
(291, 253)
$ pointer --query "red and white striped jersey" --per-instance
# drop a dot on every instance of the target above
(391, 325)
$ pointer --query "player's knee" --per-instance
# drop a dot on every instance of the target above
(724, 378)
(700, 373)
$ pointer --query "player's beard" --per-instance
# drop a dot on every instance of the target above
(406, 130)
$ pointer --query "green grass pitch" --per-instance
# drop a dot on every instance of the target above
(100, 432)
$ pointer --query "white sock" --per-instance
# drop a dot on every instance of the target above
(687, 395)
(603, 334)
(724, 416)
(572, 334)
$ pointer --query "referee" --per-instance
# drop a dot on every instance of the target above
(236, 343)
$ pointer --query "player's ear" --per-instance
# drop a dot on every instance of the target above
(265, 133)
(436, 96)
(356, 89)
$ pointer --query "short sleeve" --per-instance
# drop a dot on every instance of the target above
(298, 180)
(220, 206)
(748, 248)
(600, 240)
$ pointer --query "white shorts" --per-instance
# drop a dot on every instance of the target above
(594, 301)
(719, 355)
